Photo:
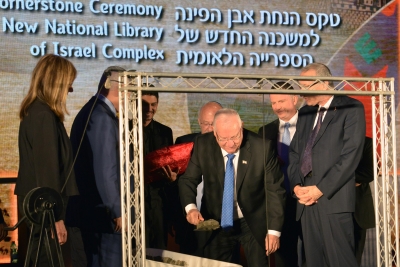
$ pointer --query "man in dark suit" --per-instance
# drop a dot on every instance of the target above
(280, 132)
(97, 211)
(192, 242)
(324, 154)
(157, 203)
(247, 199)
(364, 215)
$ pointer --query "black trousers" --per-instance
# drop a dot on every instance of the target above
(156, 206)
(360, 235)
(223, 245)
(286, 255)
(78, 255)
(328, 238)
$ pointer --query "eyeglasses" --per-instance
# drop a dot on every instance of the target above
(206, 124)
(233, 138)
(117, 81)
(307, 87)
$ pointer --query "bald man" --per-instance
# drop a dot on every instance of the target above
(205, 118)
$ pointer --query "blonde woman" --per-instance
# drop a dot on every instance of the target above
(45, 152)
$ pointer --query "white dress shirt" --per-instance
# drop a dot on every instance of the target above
(326, 106)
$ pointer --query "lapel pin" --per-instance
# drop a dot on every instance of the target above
(244, 162)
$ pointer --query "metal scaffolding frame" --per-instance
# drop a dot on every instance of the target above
(381, 91)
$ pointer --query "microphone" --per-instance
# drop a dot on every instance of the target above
(107, 75)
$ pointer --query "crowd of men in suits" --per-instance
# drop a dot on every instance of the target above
(297, 179)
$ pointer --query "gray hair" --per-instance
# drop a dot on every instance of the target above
(320, 70)
(227, 112)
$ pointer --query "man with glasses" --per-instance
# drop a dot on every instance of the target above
(324, 155)
(205, 119)
(246, 196)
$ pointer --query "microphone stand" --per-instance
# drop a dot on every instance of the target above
(41, 207)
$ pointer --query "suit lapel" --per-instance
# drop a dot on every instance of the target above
(157, 138)
(328, 117)
(272, 131)
(309, 119)
(244, 159)
(276, 130)
(218, 163)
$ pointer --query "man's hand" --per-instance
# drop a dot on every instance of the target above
(299, 191)
(3, 233)
(61, 232)
(169, 174)
(118, 224)
(272, 244)
(311, 196)
(194, 217)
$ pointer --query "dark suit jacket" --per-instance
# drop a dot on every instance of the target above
(335, 153)
(364, 212)
(160, 135)
(45, 153)
(190, 242)
(186, 138)
(97, 167)
(156, 136)
(254, 158)
(270, 131)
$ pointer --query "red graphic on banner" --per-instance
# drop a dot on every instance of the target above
(351, 71)
(390, 9)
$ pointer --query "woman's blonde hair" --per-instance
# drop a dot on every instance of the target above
(51, 79)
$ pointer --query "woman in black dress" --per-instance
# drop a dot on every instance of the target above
(45, 153)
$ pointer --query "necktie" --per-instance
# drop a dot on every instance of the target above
(227, 199)
(306, 164)
(286, 134)
(285, 154)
